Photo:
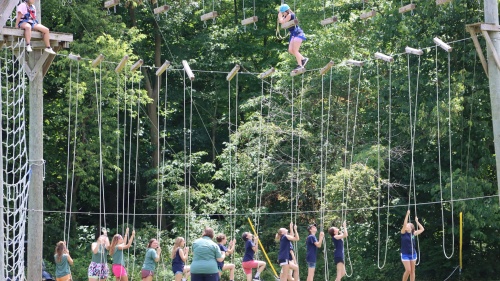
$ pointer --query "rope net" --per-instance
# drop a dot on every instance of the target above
(14, 164)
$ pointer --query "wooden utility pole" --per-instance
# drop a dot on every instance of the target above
(493, 50)
(35, 157)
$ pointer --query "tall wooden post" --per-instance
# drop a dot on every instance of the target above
(35, 156)
(491, 17)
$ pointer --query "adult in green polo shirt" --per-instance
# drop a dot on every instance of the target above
(206, 254)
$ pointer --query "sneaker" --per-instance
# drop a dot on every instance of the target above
(50, 51)
(304, 61)
(256, 279)
(183, 279)
(297, 68)
(28, 49)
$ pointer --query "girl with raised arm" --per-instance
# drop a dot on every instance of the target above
(284, 252)
(98, 268)
(408, 249)
(118, 244)
(338, 241)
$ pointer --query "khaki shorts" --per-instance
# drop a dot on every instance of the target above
(64, 278)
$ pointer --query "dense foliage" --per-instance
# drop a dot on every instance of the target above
(168, 156)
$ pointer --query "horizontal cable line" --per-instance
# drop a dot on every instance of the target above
(276, 213)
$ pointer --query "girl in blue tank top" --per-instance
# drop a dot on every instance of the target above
(296, 36)
(338, 254)
(408, 251)
(284, 252)
(179, 257)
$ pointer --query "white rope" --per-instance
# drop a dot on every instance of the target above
(439, 156)
(68, 149)
(292, 166)
(136, 180)
(379, 178)
(190, 150)
(298, 164)
(186, 219)
(118, 156)
(124, 181)
(345, 195)
(413, 125)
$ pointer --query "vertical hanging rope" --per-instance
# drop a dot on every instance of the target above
(292, 157)
(68, 151)
(117, 173)
(379, 181)
(124, 181)
(297, 185)
(190, 151)
(232, 194)
(186, 220)
(439, 156)
(237, 143)
(345, 195)
(136, 180)
(323, 201)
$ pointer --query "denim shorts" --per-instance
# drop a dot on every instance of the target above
(311, 264)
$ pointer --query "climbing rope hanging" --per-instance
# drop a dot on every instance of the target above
(450, 154)
(379, 180)
(345, 195)
(324, 165)
(67, 235)
(413, 125)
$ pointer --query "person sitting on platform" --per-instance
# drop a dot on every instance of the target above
(26, 19)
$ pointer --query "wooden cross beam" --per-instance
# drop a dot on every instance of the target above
(484, 28)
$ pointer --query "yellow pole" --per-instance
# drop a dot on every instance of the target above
(262, 248)
(460, 256)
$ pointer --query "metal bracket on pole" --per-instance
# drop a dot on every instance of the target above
(483, 28)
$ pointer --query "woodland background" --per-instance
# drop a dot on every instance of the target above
(275, 150)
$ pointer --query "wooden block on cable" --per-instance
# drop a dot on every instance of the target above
(441, 2)
(98, 60)
(111, 3)
(153, 1)
(122, 64)
(355, 62)
(233, 72)
(267, 73)
(407, 8)
(188, 70)
(209, 16)
(414, 51)
(289, 24)
(250, 20)
(368, 15)
(161, 9)
(163, 68)
(298, 71)
(136, 65)
(329, 21)
(326, 68)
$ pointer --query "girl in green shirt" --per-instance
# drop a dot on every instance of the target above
(63, 261)
(152, 257)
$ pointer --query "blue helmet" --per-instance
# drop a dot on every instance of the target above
(284, 8)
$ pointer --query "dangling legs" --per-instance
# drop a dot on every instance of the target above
(293, 48)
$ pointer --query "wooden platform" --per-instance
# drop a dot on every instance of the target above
(10, 37)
